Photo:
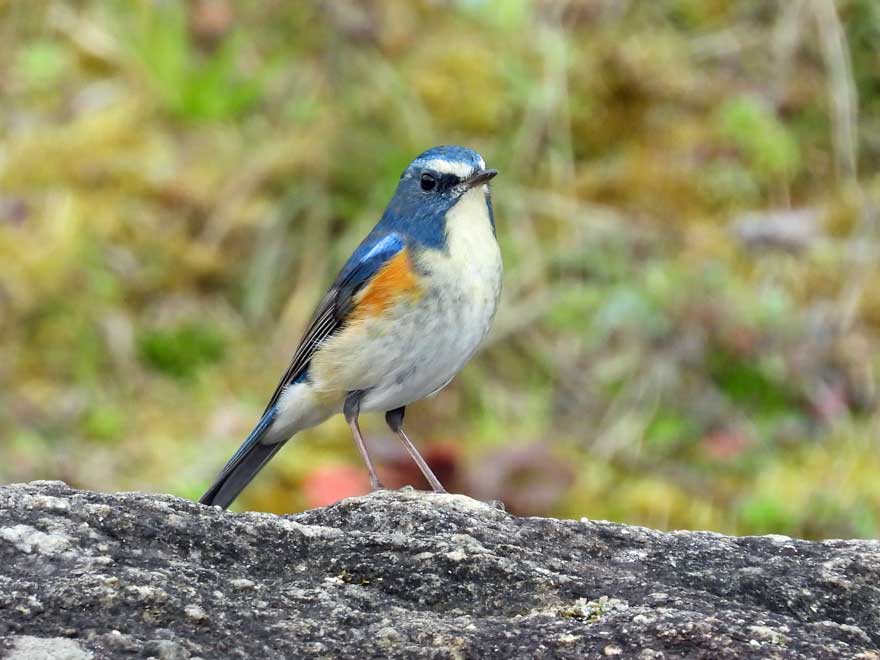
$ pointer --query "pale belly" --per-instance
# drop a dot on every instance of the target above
(432, 344)
(413, 352)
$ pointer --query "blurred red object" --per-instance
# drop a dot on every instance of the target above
(329, 484)
(725, 444)
(397, 468)
(829, 401)
(529, 479)
(210, 21)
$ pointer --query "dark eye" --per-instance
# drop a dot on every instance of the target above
(427, 182)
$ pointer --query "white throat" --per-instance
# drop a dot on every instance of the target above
(472, 261)
(468, 226)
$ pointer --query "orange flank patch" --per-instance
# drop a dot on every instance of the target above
(394, 281)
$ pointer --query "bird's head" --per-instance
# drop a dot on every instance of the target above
(435, 182)
(447, 171)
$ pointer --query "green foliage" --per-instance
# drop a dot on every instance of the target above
(43, 63)
(509, 16)
(765, 142)
(191, 84)
(766, 514)
(748, 383)
(182, 351)
(104, 422)
(669, 429)
(863, 31)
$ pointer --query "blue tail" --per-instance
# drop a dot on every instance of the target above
(244, 465)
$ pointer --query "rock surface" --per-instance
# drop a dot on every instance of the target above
(410, 575)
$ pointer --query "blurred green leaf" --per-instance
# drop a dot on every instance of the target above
(104, 422)
(670, 428)
(182, 351)
(194, 85)
(766, 515)
(510, 15)
(43, 63)
(748, 384)
(768, 146)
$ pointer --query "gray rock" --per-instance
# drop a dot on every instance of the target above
(24, 647)
(411, 575)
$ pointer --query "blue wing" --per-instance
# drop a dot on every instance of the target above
(373, 253)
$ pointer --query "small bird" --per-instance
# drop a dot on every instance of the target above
(408, 310)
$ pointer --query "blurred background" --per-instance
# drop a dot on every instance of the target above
(688, 336)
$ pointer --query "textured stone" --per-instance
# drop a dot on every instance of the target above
(407, 574)
(24, 647)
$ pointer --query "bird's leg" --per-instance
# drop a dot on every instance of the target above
(350, 409)
(395, 422)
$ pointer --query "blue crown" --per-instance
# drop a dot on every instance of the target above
(452, 154)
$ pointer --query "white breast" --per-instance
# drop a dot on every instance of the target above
(465, 284)
(472, 263)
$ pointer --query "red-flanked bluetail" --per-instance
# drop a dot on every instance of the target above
(407, 311)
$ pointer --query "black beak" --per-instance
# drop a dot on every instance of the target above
(478, 178)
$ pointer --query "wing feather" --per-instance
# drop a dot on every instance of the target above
(334, 308)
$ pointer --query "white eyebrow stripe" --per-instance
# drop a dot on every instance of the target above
(459, 169)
